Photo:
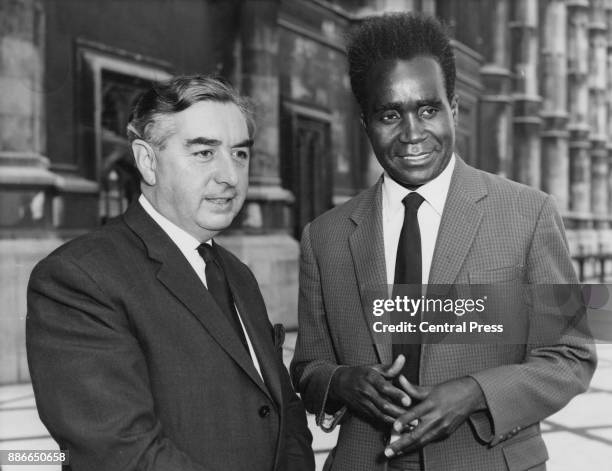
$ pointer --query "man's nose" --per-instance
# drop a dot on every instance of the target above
(412, 129)
(226, 168)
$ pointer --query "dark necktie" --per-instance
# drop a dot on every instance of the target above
(218, 286)
(408, 267)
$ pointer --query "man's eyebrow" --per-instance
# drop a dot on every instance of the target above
(394, 105)
(429, 102)
(245, 143)
(398, 105)
(203, 141)
(206, 141)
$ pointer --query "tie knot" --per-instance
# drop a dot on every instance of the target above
(412, 201)
(207, 252)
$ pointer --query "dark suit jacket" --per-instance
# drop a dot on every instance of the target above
(492, 231)
(134, 366)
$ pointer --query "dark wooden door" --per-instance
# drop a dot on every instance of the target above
(310, 169)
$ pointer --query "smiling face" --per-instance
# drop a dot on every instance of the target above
(409, 120)
(199, 178)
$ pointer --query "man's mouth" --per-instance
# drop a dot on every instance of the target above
(414, 157)
(414, 153)
(220, 200)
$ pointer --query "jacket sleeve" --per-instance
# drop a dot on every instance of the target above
(90, 376)
(314, 362)
(560, 357)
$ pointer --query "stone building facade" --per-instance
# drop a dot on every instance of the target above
(533, 81)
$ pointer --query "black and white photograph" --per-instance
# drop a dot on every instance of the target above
(305, 235)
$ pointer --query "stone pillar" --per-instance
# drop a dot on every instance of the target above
(598, 112)
(361, 8)
(397, 5)
(25, 181)
(553, 89)
(609, 102)
(24, 177)
(495, 103)
(526, 120)
(578, 107)
(262, 240)
(428, 7)
(267, 202)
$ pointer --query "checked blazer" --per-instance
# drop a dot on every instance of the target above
(492, 230)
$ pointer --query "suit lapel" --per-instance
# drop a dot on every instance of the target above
(252, 309)
(459, 225)
(255, 318)
(177, 275)
(368, 253)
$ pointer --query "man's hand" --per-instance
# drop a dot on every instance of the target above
(440, 410)
(367, 391)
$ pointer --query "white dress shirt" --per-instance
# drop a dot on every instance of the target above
(188, 245)
(434, 193)
(429, 215)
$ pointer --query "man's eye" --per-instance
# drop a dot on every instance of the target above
(389, 116)
(241, 154)
(428, 112)
(205, 154)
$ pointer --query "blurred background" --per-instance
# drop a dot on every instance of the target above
(534, 80)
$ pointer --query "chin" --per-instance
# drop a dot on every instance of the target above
(412, 181)
(216, 223)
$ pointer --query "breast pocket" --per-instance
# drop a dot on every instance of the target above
(505, 298)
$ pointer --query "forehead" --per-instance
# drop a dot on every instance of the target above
(402, 80)
(215, 120)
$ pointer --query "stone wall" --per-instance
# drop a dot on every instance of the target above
(17, 258)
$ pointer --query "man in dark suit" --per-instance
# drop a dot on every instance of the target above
(149, 345)
(430, 219)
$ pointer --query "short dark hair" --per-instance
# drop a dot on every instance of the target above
(178, 94)
(397, 36)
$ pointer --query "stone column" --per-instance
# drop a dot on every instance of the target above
(598, 110)
(609, 102)
(578, 107)
(396, 5)
(526, 120)
(495, 104)
(262, 240)
(428, 7)
(267, 202)
(25, 181)
(553, 89)
(24, 177)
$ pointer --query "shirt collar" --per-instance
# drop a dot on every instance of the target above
(434, 191)
(185, 241)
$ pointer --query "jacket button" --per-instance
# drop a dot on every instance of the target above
(264, 411)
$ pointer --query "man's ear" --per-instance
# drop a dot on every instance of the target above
(146, 161)
(362, 120)
(455, 109)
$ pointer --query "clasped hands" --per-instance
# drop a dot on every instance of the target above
(421, 414)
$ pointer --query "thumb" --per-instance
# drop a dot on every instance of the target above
(391, 371)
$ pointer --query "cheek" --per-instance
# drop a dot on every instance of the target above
(380, 142)
(446, 129)
(243, 177)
